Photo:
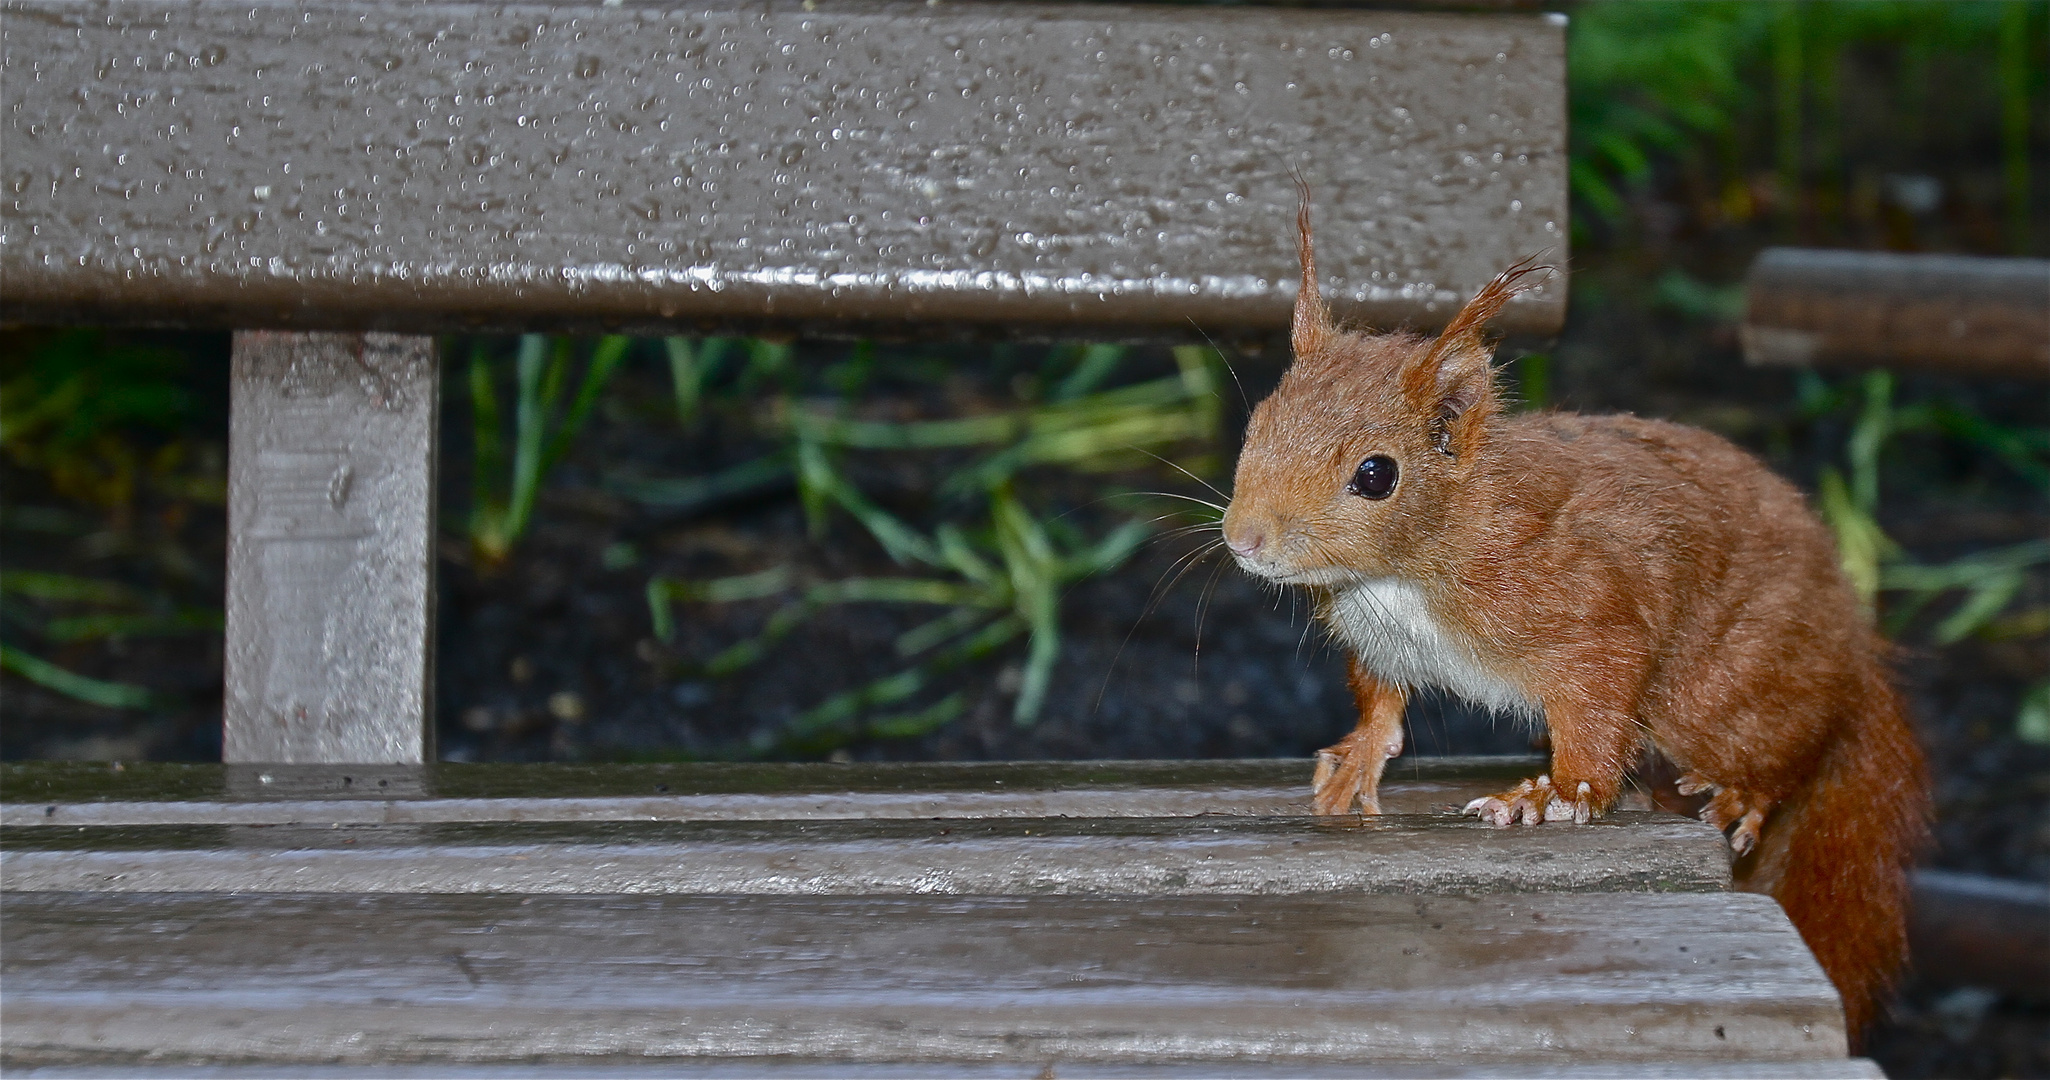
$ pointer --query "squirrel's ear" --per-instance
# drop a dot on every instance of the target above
(1311, 328)
(1453, 380)
(1453, 383)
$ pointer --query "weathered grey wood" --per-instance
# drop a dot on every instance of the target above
(331, 458)
(71, 794)
(1388, 979)
(1012, 856)
(1807, 1069)
(1956, 314)
(1087, 168)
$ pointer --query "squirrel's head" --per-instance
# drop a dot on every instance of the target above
(1352, 464)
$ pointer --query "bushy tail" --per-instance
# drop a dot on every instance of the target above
(1836, 855)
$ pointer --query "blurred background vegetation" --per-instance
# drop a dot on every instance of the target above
(974, 487)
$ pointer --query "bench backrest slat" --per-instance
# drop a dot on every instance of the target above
(428, 167)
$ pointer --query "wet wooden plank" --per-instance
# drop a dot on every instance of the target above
(331, 462)
(1956, 314)
(1535, 979)
(145, 793)
(1085, 169)
(1632, 852)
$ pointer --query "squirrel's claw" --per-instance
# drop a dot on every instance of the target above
(1533, 802)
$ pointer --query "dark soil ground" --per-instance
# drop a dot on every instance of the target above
(551, 656)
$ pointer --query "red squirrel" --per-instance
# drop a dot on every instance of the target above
(1639, 587)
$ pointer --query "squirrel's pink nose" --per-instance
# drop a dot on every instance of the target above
(1246, 544)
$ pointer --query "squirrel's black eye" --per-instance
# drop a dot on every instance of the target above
(1375, 478)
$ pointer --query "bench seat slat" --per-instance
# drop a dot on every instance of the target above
(66, 794)
(339, 979)
(1070, 856)
(442, 166)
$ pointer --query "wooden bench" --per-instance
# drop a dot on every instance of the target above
(1956, 314)
(336, 182)
(1187, 917)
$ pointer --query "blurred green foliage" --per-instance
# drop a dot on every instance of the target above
(102, 422)
(509, 466)
(98, 417)
(1986, 583)
(1749, 101)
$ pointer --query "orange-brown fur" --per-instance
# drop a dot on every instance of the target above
(1645, 585)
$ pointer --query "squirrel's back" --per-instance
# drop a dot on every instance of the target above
(1767, 676)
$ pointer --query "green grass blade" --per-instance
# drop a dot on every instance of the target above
(843, 707)
(767, 363)
(690, 493)
(1868, 439)
(1039, 662)
(815, 485)
(1985, 601)
(831, 430)
(530, 417)
(975, 646)
(64, 588)
(911, 725)
(605, 359)
(900, 541)
(661, 620)
(1968, 571)
(728, 590)
(932, 634)
(1098, 364)
(683, 378)
(1861, 546)
(691, 370)
(782, 624)
(961, 557)
(898, 591)
(666, 591)
(487, 509)
(93, 627)
(1110, 552)
(2032, 721)
(49, 676)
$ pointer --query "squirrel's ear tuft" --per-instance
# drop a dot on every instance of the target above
(1453, 379)
(1311, 328)
(1489, 302)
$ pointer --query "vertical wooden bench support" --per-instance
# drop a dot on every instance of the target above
(330, 566)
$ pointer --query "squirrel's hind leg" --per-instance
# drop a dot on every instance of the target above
(1349, 770)
(1729, 807)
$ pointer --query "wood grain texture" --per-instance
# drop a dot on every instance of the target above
(1011, 856)
(67, 794)
(331, 458)
(342, 979)
(1086, 168)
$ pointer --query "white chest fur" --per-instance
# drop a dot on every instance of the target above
(1389, 625)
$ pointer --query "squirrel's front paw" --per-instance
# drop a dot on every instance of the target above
(1532, 802)
(1349, 771)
